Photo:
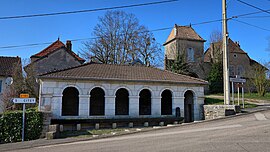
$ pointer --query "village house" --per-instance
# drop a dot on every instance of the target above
(239, 61)
(101, 91)
(183, 40)
(55, 56)
(7, 65)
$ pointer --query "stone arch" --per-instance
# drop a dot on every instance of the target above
(145, 102)
(122, 102)
(166, 102)
(75, 86)
(147, 88)
(70, 101)
(97, 102)
(189, 106)
(98, 86)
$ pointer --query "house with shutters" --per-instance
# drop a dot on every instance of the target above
(184, 41)
(7, 66)
(94, 91)
(56, 56)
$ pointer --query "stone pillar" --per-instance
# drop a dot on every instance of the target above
(196, 109)
(156, 106)
(178, 102)
(84, 101)
(134, 106)
(56, 105)
(200, 103)
(110, 106)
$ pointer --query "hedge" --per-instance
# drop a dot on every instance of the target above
(11, 126)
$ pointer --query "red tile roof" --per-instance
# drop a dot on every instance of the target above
(54, 47)
(233, 47)
(7, 65)
(95, 71)
(183, 32)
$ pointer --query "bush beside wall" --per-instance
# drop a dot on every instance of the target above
(11, 126)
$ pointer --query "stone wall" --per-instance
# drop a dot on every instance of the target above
(59, 59)
(219, 111)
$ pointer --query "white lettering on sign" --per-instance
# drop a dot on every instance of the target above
(24, 100)
(238, 80)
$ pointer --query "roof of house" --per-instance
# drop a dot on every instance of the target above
(183, 32)
(7, 65)
(95, 71)
(54, 47)
(233, 47)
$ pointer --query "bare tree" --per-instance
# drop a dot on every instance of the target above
(23, 82)
(258, 77)
(120, 39)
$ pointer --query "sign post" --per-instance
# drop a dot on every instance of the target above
(24, 98)
(240, 83)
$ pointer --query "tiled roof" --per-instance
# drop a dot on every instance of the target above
(183, 32)
(54, 47)
(7, 65)
(95, 71)
(233, 47)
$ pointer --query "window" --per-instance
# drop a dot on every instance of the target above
(231, 68)
(190, 55)
(235, 55)
(0, 86)
(240, 70)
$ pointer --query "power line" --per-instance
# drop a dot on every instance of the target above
(253, 6)
(81, 39)
(84, 11)
(252, 25)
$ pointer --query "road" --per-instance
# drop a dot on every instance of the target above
(243, 133)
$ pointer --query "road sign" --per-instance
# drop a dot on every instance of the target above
(24, 100)
(239, 80)
(24, 95)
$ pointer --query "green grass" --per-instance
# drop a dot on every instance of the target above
(214, 101)
(250, 96)
(89, 133)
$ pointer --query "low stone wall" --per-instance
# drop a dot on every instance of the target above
(218, 111)
(47, 116)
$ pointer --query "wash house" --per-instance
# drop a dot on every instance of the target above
(99, 91)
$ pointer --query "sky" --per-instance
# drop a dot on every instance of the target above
(254, 38)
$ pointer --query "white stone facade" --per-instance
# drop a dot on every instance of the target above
(51, 97)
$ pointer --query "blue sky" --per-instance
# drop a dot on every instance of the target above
(75, 26)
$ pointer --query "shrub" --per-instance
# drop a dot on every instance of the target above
(11, 126)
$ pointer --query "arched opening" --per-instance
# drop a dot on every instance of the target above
(145, 102)
(97, 102)
(122, 102)
(189, 106)
(70, 102)
(166, 102)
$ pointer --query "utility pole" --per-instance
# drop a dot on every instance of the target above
(225, 54)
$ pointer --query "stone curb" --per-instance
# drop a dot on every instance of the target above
(32, 144)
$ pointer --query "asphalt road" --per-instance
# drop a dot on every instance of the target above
(243, 133)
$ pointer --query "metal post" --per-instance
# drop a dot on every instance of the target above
(23, 123)
(243, 101)
(238, 94)
(232, 93)
(225, 55)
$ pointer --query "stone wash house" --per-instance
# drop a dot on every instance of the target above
(7, 65)
(183, 40)
(100, 91)
(54, 57)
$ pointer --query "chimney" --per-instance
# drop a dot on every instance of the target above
(69, 45)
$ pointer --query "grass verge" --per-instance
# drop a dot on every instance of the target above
(214, 101)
